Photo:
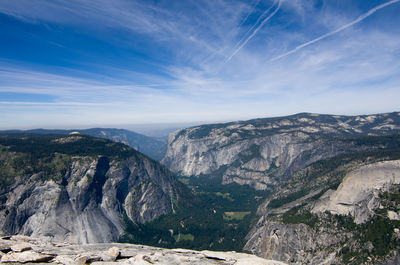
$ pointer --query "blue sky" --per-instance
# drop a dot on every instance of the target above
(82, 63)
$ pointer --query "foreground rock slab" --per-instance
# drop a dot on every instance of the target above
(33, 250)
(24, 257)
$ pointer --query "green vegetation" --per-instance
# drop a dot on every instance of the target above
(252, 152)
(184, 180)
(22, 155)
(204, 130)
(183, 237)
(351, 257)
(371, 240)
(225, 195)
(392, 198)
(54, 166)
(179, 134)
(218, 218)
(81, 145)
(229, 216)
(378, 233)
(245, 156)
(276, 203)
(296, 215)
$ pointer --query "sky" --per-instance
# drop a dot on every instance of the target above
(79, 63)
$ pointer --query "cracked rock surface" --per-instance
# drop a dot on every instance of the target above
(41, 252)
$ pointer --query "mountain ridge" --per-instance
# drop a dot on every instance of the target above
(79, 188)
(153, 147)
(260, 151)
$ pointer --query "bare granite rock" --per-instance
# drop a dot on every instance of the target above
(26, 256)
(111, 255)
(357, 194)
(261, 152)
(358, 197)
(114, 253)
(21, 247)
(87, 206)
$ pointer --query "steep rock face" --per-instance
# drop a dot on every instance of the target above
(358, 194)
(86, 203)
(202, 157)
(354, 224)
(297, 243)
(289, 242)
(261, 152)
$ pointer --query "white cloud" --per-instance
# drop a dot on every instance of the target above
(262, 19)
(343, 27)
(354, 71)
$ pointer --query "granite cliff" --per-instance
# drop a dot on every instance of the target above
(346, 215)
(79, 189)
(331, 182)
(263, 152)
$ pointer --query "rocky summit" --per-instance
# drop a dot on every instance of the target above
(27, 250)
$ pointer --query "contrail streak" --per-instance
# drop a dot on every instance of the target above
(255, 32)
(359, 19)
(254, 25)
(251, 11)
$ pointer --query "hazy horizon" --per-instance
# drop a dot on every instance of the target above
(124, 62)
(163, 129)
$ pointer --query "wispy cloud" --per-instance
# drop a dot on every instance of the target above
(182, 46)
(253, 30)
(346, 26)
(251, 8)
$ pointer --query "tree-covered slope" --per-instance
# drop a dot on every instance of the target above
(150, 146)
